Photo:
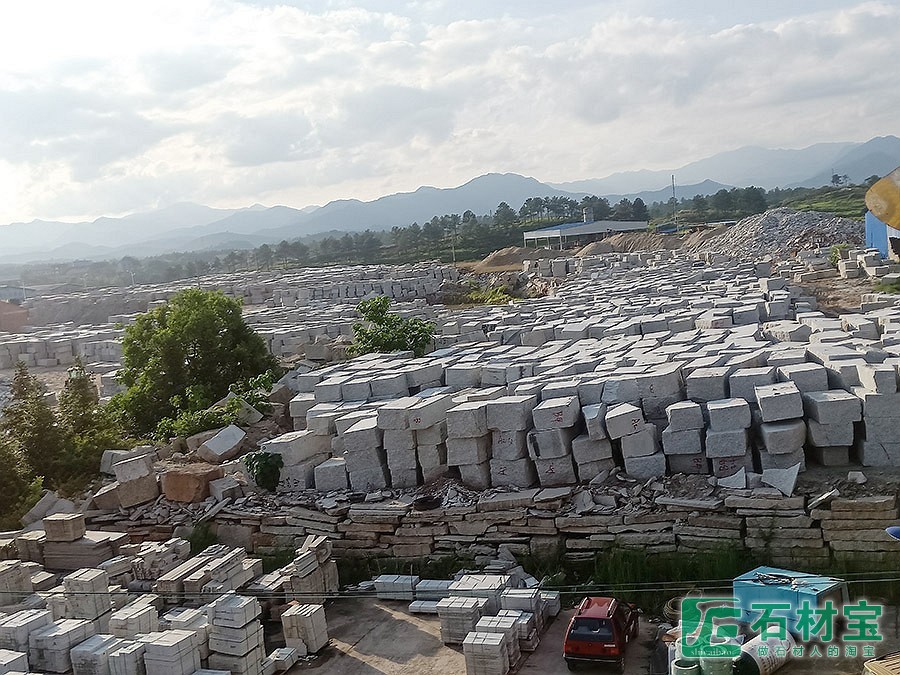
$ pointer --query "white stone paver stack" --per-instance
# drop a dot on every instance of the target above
(486, 653)
(458, 617)
(305, 628)
(235, 635)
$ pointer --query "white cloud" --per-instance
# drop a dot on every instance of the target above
(112, 107)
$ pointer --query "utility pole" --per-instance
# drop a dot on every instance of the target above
(674, 205)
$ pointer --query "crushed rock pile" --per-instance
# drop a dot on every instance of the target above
(512, 256)
(781, 233)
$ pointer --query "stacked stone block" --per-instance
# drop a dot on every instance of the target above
(641, 453)
(727, 438)
(305, 628)
(235, 635)
(469, 443)
(509, 419)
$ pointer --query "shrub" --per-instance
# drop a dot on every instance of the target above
(385, 332)
(265, 468)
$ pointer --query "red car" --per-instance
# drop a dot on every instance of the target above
(600, 632)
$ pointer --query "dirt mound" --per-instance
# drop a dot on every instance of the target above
(781, 233)
(512, 257)
(595, 248)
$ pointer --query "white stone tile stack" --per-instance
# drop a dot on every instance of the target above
(486, 653)
(488, 586)
(15, 582)
(557, 422)
(526, 627)
(235, 635)
(192, 620)
(509, 418)
(458, 617)
(87, 597)
(396, 587)
(134, 618)
(305, 628)
(172, 652)
(12, 662)
(128, 659)
(505, 625)
(49, 647)
(91, 657)
(15, 628)
(524, 600)
(469, 443)
(433, 589)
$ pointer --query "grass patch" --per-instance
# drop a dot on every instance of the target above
(202, 537)
(883, 287)
(847, 202)
(355, 570)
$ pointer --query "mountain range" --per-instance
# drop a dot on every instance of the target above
(194, 227)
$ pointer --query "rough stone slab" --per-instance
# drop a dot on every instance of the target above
(785, 480)
(641, 443)
(223, 446)
(557, 413)
(784, 437)
(646, 466)
(832, 407)
(595, 420)
(684, 416)
(550, 443)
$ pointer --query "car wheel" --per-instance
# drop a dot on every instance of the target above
(620, 666)
(570, 665)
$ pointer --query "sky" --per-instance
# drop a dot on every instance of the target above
(110, 107)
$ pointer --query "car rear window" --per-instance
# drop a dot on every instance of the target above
(591, 630)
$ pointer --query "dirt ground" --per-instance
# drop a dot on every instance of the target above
(370, 637)
(840, 296)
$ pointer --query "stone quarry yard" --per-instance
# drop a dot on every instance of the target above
(370, 636)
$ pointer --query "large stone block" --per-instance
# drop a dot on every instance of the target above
(595, 420)
(688, 464)
(586, 449)
(827, 435)
(331, 475)
(476, 476)
(832, 407)
(467, 420)
(708, 384)
(516, 472)
(742, 382)
(509, 445)
(624, 419)
(878, 405)
(372, 478)
(641, 443)
(550, 443)
(432, 435)
(780, 401)
(783, 437)
(726, 443)
(510, 413)
(556, 471)
(729, 414)
(684, 416)
(557, 413)
(188, 483)
(807, 376)
(688, 442)
(643, 467)
(588, 471)
(223, 446)
(297, 446)
(475, 450)
(134, 468)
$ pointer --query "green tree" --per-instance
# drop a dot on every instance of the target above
(504, 215)
(383, 331)
(30, 422)
(182, 356)
(639, 210)
(88, 425)
(623, 210)
(18, 487)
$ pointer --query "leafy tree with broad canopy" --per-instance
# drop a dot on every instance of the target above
(182, 356)
(384, 332)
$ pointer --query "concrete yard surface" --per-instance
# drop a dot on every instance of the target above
(370, 636)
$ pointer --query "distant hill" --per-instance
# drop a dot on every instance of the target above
(190, 227)
(762, 167)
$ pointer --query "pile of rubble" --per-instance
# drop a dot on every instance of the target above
(782, 233)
